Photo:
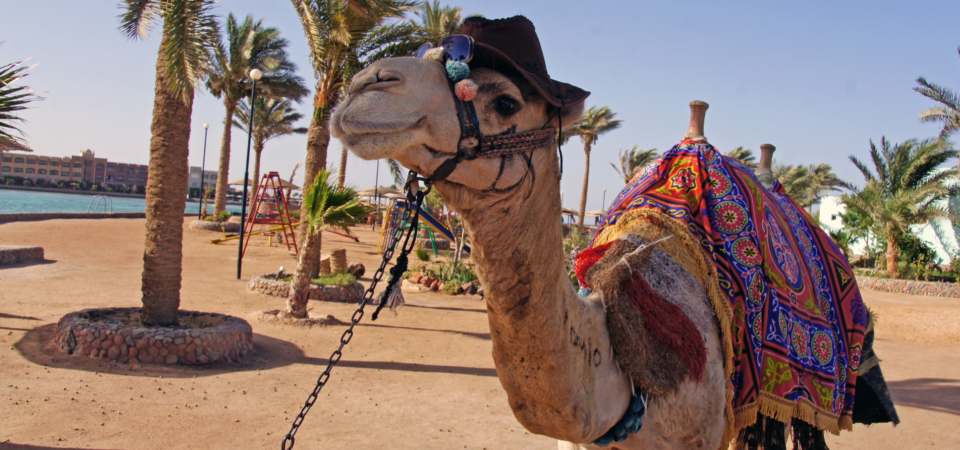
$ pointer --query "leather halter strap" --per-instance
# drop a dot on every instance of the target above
(473, 144)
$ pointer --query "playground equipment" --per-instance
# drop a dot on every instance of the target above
(231, 236)
(269, 207)
(428, 222)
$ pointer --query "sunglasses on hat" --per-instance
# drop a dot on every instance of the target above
(457, 48)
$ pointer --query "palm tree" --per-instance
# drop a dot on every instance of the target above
(435, 22)
(271, 118)
(248, 45)
(806, 184)
(595, 122)
(948, 114)
(631, 161)
(343, 35)
(327, 205)
(745, 156)
(903, 188)
(188, 37)
(12, 100)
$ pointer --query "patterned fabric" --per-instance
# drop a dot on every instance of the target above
(788, 299)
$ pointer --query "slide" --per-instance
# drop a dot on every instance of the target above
(435, 224)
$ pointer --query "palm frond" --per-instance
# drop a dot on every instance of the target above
(138, 18)
(12, 100)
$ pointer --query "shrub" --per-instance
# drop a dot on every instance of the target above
(27, 183)
(422, 254)
(451, 288)
(340, 279)
(10, 182)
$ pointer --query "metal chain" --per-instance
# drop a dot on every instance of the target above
(348, 334)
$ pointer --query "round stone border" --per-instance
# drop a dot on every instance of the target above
(912, 287)
(204, 225)
(227, 342)
(265, 284)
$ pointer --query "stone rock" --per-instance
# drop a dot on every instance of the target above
(356, 269)
(441, 285)
(427, 281)
(480, 292)
(415, 278)
(406, 285)
(434, 285)
(468, 288)
(170, 359)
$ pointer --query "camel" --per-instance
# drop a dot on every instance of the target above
(551, 347)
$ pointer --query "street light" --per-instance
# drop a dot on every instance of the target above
(255, 75)
(603, 205)
(203, 166)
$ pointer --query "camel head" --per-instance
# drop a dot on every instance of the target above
(403, 108)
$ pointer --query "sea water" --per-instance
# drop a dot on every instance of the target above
(14, 201)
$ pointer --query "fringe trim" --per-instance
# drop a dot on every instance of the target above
(652, 225)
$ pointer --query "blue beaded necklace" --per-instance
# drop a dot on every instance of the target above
(631, 421)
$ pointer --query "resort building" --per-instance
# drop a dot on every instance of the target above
(85, 167)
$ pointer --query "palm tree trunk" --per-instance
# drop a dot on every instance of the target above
(343, 167)
(893, 254)
(300, 285)
(318, 139)
(166, 199)
(586, 183)
(257, 148)
(220, 203)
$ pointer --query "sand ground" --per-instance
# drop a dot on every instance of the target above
(423, 379)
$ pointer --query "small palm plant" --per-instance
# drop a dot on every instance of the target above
(327, 205)
(12, 100)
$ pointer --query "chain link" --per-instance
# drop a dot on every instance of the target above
(288, 439)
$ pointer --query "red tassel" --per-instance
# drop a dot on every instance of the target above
(587, 258)
(668, 324)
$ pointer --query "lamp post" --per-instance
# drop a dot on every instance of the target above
(255, 75)
(376, 194)
(603, 205)
(203, 166)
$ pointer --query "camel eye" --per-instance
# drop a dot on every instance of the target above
(506, 105)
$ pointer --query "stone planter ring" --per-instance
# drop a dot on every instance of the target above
(118, 335)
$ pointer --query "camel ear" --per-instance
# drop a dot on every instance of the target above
(570, 114)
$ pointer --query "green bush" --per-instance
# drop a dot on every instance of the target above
(27, 183)
(422, 254)
(11, 182)
(451, 288)
(456, 271)
(223, 216)
(340, 279)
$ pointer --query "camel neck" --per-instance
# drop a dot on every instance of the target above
(551, 348)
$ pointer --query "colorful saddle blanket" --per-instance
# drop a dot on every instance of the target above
(788, 305)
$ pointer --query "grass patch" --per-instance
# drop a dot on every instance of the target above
(340, 279)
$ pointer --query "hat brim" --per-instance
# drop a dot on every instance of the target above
(556, 93)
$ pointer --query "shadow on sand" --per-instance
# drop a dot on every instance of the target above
(12, 446)
(38, 347)
(933, 394)
(41, 262)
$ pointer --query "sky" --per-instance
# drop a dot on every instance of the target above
(817, 79)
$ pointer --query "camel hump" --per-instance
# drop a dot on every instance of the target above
(698, 112)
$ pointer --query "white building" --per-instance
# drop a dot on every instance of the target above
(940, 235)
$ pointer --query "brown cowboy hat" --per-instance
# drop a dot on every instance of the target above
(514, 42)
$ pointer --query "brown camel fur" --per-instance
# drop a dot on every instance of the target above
(551, 347)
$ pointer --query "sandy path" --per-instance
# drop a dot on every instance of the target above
(423, 379)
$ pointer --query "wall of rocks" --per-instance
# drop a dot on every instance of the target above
(227, 342)
(927, 288)
(14, 255)
(203, 225)
(266, 285)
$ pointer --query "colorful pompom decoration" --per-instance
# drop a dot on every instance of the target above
(466, 90)
(457, 70)
(435, 54)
